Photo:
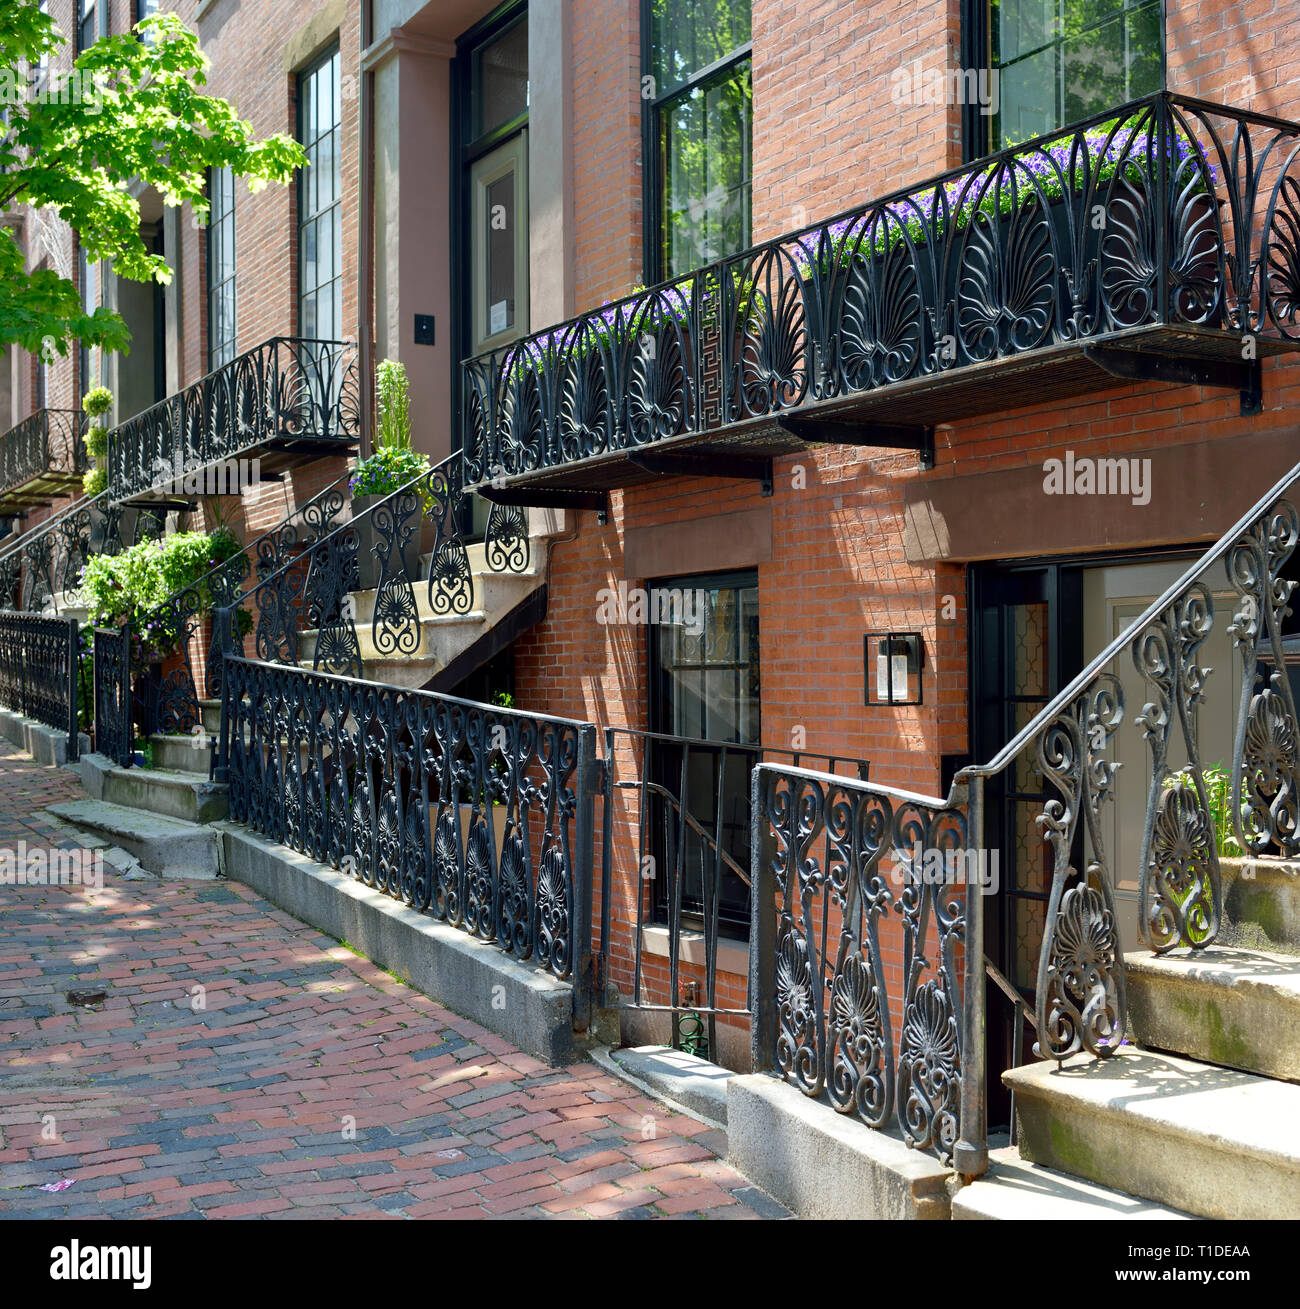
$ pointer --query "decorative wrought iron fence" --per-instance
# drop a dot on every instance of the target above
(481, 817)
(114, 708)
(679, 810)
(851, 854)
(39, 670)
(46, 443)
(290, 390)
(1163, 212)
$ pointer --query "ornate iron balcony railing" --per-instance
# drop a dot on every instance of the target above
(289, 399)
(41, 458)
(1160, 240)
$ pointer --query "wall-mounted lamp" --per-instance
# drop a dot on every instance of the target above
(891, 668)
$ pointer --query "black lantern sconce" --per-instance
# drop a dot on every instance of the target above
(891, 668)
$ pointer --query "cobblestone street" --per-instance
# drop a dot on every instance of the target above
(242, 1064)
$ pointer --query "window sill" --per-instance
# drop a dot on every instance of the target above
(732, 956)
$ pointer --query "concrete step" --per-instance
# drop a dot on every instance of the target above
(210, 710)
(182, 754)
(167, 847)
(1238, 1008)
(1261, 904)
(1210, 1141)
(182, 795)
(1014, 1189)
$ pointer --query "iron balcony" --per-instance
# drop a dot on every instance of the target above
(1160, 241)
(283, 403)
(41, 459)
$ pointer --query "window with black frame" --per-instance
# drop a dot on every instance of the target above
(1060, 61)
(85, 24)
(320, 222)
(697, 93)
(221, 267)
(705, 693)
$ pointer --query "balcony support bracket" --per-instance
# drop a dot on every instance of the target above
(734, 467)
(1242, 375)
(838, 431)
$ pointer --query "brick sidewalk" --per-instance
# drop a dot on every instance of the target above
(308, 1084)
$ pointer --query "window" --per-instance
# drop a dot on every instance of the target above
(86, 29)
(88, 278)
(1059, 61)
(704, 677)
(221, 268)
(493, 74)
(698, 96)
(320, 231)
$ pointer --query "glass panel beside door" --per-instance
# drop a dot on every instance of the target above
(499, 244)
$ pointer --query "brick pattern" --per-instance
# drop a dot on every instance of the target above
(311, 1084)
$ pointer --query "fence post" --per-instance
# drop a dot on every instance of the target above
(225, 627)
(588, 783)
(74, 688)
(127, 740)
(762, 934)
(970, 1155)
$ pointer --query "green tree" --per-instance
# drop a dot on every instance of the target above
(131, 109)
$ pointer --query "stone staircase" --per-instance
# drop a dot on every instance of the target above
(446, 637)
(1200, 1113)
(161, 815)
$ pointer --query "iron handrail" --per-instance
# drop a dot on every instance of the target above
(22, 541)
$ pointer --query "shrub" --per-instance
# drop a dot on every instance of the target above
(136, 582)
(96, 441)
(95, 481)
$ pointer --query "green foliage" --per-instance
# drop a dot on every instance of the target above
(504, 699)
(133, 115)
(94, 482)
(1218, 795)
(393, 399)
(135, 583)
(387, 470)
(96, 441)
(97, 401)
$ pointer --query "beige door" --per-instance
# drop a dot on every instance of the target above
(1113, 596)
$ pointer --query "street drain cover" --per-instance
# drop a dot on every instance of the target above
(86, 997)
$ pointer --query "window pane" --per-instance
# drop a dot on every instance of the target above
(499, 241)
(706, 173)
(1063, 60)
(501, 80)
(690, 35)
(319, 234)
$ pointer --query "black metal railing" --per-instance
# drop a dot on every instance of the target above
(681, 806)
(851, 854)
(42, 569)
(45, 445)
(480, 817)
(289, 392)
(1164, 213)
(114, 734)
(40, 670)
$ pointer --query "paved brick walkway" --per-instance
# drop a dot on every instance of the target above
(309, 1083)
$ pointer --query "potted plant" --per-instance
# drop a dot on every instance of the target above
(95, 404)
(390, 467)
